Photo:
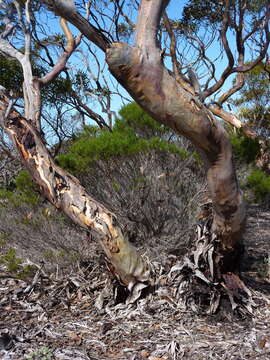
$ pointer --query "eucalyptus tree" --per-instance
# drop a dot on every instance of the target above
(158, 72)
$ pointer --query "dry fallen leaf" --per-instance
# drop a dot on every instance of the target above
(144, 354)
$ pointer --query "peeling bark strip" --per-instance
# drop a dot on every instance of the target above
(67, 194)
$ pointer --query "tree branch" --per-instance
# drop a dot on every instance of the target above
(224, 39)
(62, 60)
(149, 16)
(176, 66)
(66, 9)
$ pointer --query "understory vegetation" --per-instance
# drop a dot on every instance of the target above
(152, 180)
(133, 132)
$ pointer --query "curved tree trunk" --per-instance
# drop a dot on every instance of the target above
(141, 72)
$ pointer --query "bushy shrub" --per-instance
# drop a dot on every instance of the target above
(129, 136)
(24, 192)
(259, 182)
(133, 116)
(10, 260)
(245, 149)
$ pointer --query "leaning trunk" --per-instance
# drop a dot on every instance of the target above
(66, 193)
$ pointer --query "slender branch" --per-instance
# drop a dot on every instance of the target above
(240, 80)
(62, 61)
(176, 66)
(241, 67)
(224, 39)
(127, 19)
(27, 34)
(66, 9)
(90, 113)
(241, 54)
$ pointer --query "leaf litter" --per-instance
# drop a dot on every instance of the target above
(83, 315)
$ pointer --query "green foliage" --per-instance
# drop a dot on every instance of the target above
(26, 189)
(11, 75)
(24, 192)
(133, 133)
(6, 195)
(245, 149)
(253, 100)
(197, 157)
(69, 256)
(256, 87)
(57, 91)
(259, 182)
(197, 12)
(14, 264)
(27, 271)
(3, 238)
(133, 116)
(44, 353)
(10, 260)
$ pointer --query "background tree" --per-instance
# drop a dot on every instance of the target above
(253, 99)
(170, 92)
(253, 109)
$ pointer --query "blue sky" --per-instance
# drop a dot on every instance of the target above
(174, 11)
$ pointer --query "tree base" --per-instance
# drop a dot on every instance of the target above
(204, 279)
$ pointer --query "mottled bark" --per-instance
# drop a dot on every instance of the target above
(66, 193)
(154, 88)
(62, 189)
(141, 72)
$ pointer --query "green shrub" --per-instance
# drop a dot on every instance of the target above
(24, 191)
(135, 132)
(259, 182)
(87, 150)
(43, 353)
(4, 236)
(245, 149)
(14, 264)
(133, 116)
(6, 194)
(10, 260)
(197, 157)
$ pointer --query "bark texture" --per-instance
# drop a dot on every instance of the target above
(66, 193)
(141, 72)
(154, 88)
